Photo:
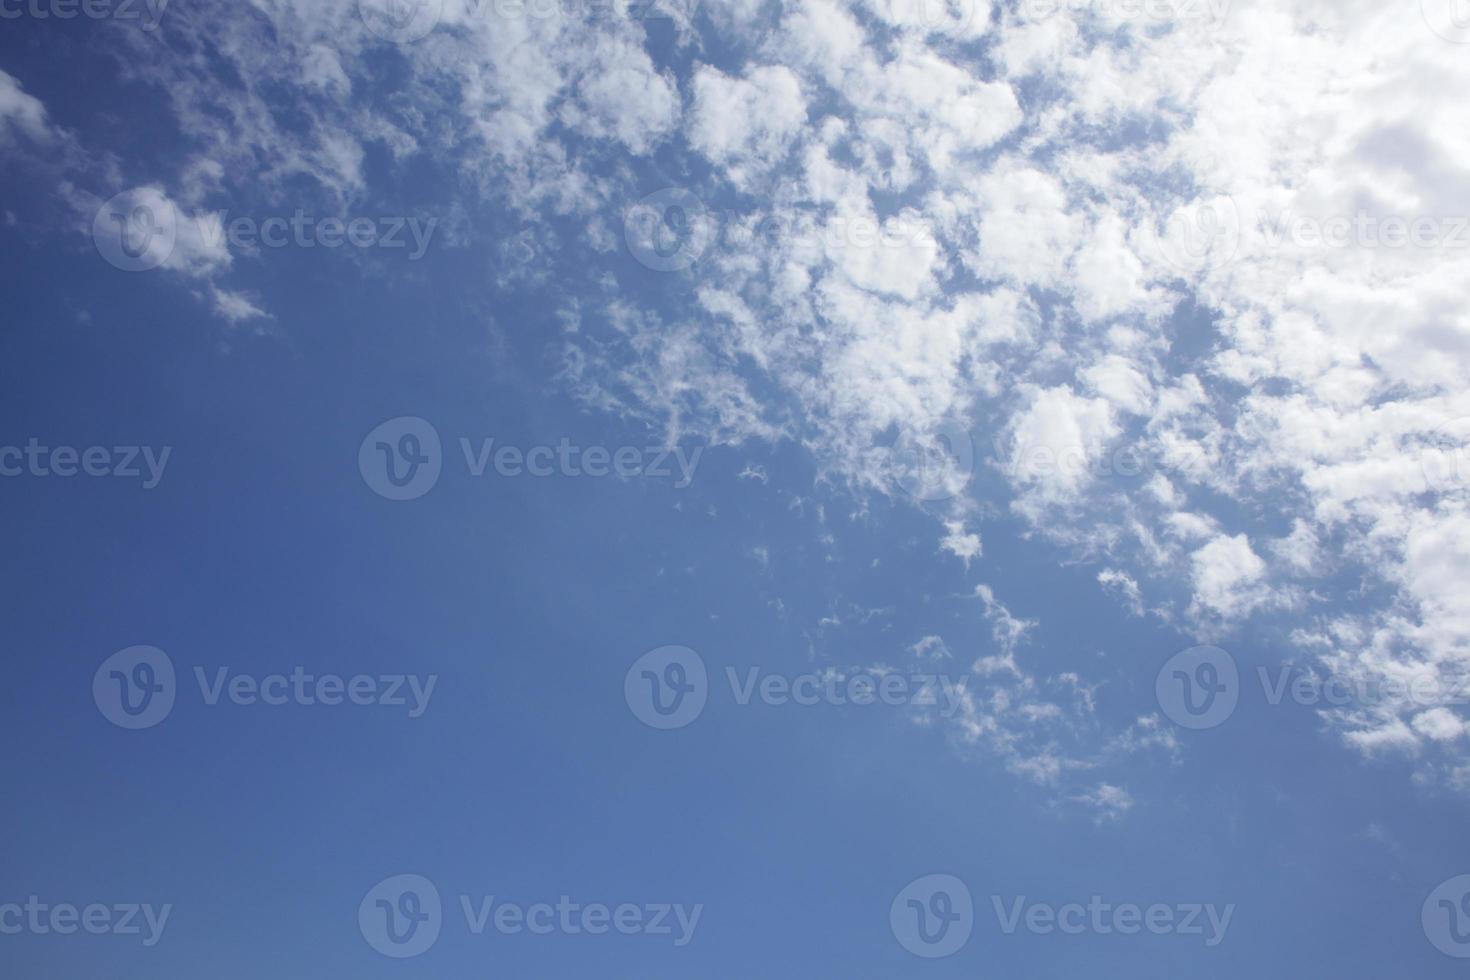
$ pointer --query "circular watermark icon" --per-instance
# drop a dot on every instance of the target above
(669, 230)
(934, 460)
(136, 231)
(1200, 236)
(1450, 19)
(521, 249)
(933, 916)
(401, 916)
(1446, 917)
(401, 459)
(401, 21)
(1199, 688)
(135, 688)
(1445, 457)
(667, 688)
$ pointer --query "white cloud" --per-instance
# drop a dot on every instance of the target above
(747, 124)
(1440, 725)
(622, 96)
(1027, 233)
(960, 543)
(20, 112)
(1120, 381)
(1056, 442)
(1125, 586)
(931, 648)
(1228, 577)
(1140, 192)
(1109, 259)
(236, 307)
(958, 19)
(1110, 803)
(1007, 629)
(897, 256)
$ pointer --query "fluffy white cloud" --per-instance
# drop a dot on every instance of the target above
(1227, 577)
(960, 543)
(1056, 443)
(956, 19)
(1218, 216)
(1234, 245)
(1027, 233)
(20, 112)
(747, 124)
(621, 96)
(1108, 801)
(236, 307)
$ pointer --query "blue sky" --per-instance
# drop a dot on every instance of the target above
(988, 377)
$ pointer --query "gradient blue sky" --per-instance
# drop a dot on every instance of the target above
(531, 320)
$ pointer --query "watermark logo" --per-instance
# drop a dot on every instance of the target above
(34, 459)
(150, 12)
(401, 916)
(672, 229)
(136, 231)
(1025, 463)
(667, 688)
(669, 230)
(401, 21)
(1208, 921)
(40, 918)
(410, 691)
(1363, 230)
(1208, 234)
(1446, 917)
(1450, 19)
(135, 688)
(1427, 689)
(1199, 688)
(570, 918)
(933, 461)
(1200, 236)
(220, 232)
(401, 459)
(837, 688)
(571, 460)
(933, 916)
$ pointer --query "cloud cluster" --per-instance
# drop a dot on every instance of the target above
(1069, 229)
(1116, 210)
